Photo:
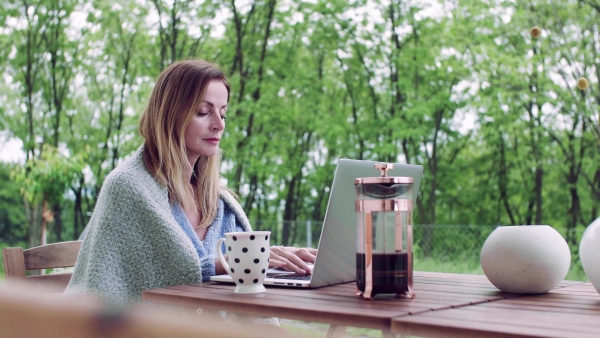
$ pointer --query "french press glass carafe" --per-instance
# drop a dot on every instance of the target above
(384, 208)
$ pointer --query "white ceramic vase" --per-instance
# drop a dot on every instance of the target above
(525, 258)
(589, 253)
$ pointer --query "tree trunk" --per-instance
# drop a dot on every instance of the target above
(58, 223)
(78, 217)
(539, 180)
(33, 213)
(288, 213)
(595, 194)
(503, 182)
(574, 211)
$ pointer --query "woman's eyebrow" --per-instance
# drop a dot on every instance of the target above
(211, 104)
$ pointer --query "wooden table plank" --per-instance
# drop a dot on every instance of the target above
(593, 308)
(446, 278)
(445, 305)
(570, 310)
(342, 310)
(347, 293)
(336, 304)
(431, 325)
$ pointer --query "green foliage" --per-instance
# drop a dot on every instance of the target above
(458, 87)
(48, 177)
(13, 223)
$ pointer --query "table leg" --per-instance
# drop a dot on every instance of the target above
(336, 331)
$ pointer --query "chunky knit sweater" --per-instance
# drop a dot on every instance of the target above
(133, 241)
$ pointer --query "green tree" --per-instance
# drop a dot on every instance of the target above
(13, 223)
(45, 180)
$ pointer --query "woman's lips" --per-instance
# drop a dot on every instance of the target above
(212, 140)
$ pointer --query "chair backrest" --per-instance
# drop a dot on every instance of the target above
(56, 255)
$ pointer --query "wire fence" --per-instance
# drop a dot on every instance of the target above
(441, 248)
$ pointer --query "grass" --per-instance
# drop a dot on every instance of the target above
(469, 266)
(472, 266)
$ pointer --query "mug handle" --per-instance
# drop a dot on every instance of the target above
(220, 255)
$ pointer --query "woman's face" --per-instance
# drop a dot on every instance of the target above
(204, 132)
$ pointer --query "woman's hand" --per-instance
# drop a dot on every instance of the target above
(219, 268)
(292, 258)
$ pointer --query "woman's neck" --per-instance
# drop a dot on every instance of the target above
(187, 174)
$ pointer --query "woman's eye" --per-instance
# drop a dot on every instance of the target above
(223, 117)
(202, 113)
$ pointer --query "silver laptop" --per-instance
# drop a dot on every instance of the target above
(336, 257)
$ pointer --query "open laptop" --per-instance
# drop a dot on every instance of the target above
(336, 257)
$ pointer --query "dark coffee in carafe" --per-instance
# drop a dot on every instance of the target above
(389, 272)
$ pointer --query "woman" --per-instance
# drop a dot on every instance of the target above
(160, 212)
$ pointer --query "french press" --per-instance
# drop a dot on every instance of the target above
(384, 207)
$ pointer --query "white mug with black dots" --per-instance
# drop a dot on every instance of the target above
(247, 259)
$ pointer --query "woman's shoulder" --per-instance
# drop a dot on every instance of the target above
(229, 199)
(130, 168)
(132, 174)
(231, 203)
(226, 194)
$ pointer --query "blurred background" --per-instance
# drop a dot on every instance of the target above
(493, 114)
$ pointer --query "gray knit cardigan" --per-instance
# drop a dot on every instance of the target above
(133, 242)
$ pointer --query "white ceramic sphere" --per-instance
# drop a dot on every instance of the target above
(589, 253)
(525, 259)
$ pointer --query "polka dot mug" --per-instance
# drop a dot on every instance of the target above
(247, 259)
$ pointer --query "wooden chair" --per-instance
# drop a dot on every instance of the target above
(56, 255)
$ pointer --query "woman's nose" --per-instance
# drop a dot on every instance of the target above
(218, 123)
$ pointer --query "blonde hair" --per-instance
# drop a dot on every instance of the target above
(177, 94)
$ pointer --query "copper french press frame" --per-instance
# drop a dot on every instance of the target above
(386, 205)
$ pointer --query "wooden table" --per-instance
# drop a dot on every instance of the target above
(338, 305)
(568, 311)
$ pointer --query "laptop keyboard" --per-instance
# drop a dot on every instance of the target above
(294, 277)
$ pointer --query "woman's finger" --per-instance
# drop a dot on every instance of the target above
(277, 256)
(306, 254)
(294, 263)
(276, 263)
